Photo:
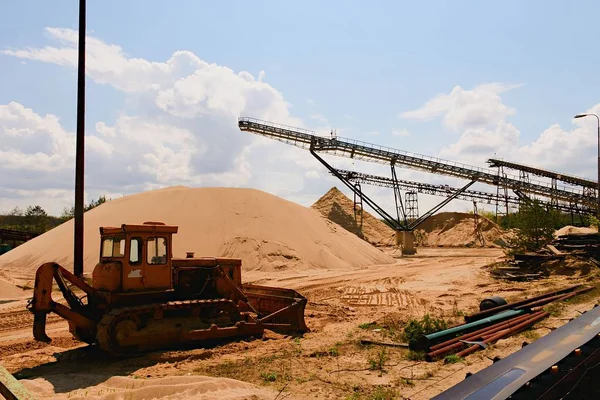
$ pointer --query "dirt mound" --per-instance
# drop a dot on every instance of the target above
(9, 291)
(574, 230)
(458, 229)
(337, 207)
(172, 387)
(244, 223)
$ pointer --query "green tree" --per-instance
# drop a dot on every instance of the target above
(534, 226)
(36, 219)
(69, 213)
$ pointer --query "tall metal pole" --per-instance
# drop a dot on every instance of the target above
(80, 147)
(598, 188)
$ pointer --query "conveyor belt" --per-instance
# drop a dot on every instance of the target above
(445, 190)
(355, 149)
(574, 180)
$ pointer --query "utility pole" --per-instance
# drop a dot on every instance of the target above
(80, 147)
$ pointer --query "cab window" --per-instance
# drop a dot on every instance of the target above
(157, 250)
(135, 250)
(113, 247)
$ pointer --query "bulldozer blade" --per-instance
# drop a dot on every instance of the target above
(278, 309)
(39, 327)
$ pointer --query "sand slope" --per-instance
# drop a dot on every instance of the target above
(235, 222)
(574, 230)
(458, 229)
(337, 207)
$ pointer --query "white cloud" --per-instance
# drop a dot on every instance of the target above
(462, 109)
(181, 128)
(319, 118)
(372, 133)
(400, 132)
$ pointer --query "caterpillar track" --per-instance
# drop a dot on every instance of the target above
(129, 330)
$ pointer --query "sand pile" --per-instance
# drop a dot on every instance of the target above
(265, 231)
(458, 229)
(10, 291)
(119, 387)
(574, 230)
(340, 209)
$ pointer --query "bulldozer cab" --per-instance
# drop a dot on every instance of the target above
(135, 258)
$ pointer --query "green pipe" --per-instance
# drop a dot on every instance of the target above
(423, 342)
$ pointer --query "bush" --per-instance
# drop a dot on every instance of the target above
(416, 328)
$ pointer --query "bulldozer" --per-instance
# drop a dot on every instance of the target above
(141, 298)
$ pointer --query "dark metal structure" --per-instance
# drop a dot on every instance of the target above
(80, 147)
(445, 190)
(563, 364)
(16, 236)
(355, 149)
(526, 169)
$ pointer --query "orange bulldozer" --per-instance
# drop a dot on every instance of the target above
(141, 298)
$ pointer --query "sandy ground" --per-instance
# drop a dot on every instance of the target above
(327, 362)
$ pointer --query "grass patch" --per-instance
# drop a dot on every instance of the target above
(415, 355)
(268, 376)
(426, 325)
(531, 334)
(453, 359)
(377, 363)
(369, 325)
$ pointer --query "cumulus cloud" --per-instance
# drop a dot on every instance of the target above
(183, 130)
(479, 115)
(463, 109)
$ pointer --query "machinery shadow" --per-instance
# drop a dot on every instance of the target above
(89, 366)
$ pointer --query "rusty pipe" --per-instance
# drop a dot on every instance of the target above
(558, 297)
(483, 334)
(479, 331)
(491, 311)
(484, 331)
(503, 333)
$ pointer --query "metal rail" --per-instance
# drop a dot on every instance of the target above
(355, 149)
(19, 236)
(445, 190)
(574, 180)
(542, 369)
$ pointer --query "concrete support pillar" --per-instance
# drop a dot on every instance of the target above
(408, 243)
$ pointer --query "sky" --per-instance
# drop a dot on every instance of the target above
(167, 81)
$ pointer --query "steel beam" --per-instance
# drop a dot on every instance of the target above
(350, 148)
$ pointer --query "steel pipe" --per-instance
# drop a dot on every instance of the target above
(503, 333)
(492, 311)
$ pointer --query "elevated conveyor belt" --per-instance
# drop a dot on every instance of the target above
(358, 150)
(573, 180)
(445, 190)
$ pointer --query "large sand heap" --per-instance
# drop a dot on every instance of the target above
(337, 207)
(458, 229)
(265, 231)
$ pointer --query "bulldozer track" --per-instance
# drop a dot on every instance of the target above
(13, 320)
(104, 329)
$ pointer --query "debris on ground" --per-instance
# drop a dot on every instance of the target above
(490, 325)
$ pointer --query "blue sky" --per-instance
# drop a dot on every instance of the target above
(354, 66)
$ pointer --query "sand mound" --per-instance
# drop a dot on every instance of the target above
(337, 207)
(458, 229)
(574, 230)
(244, 223)
(9, 291)
(173, 387)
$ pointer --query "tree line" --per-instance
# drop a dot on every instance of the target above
(35, 219)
